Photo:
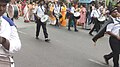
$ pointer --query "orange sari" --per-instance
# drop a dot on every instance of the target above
(63, 19)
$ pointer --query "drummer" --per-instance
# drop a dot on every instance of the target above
(95, 14)
(72, 18)
(39, 12)
(12, 10)
(113, 29)
(9, 39)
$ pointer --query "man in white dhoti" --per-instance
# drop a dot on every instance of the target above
(9, 39)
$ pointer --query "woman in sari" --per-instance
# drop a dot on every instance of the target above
(63, 12)
(19, 8)
(82, 19)
(52, 18)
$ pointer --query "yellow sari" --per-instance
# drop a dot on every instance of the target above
(51, 13)
(52, 18)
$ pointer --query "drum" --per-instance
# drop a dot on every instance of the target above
(77, 15)
(15, 11)
(45, 18)
(5, 61)
(12, 11)
(102, 18)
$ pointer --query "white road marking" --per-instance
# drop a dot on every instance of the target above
(97, 62)
(22, 32)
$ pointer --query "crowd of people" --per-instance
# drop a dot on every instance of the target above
(58, 12)
(61, 14)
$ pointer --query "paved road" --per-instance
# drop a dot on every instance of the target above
(66, 48)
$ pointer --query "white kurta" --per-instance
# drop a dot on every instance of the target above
(10, 33)
(40, 11)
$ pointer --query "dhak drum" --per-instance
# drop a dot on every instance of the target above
(15, 11)
(12, 11)
(101, 19)
(6, 61)
(77, 15)
(44, 18)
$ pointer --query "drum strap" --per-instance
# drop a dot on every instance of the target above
(41, 8)
(9, 21)
(98, 13)
(117, 20)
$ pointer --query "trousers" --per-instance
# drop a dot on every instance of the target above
(115, 47)
(96, 25)
(39, 24)
(69, 22)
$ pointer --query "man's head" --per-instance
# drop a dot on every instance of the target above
(3, 4)
(114, 12)
(118, 6)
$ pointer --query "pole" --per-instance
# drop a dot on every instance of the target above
(105, 4)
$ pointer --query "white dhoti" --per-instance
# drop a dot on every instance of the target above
(26, 13)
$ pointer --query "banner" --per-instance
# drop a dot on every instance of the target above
(85, 1)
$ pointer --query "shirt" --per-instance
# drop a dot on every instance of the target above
(114, 27)
(57, 8)
(39, 10)
(72, 10)
(10, 33)
(95, 13)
